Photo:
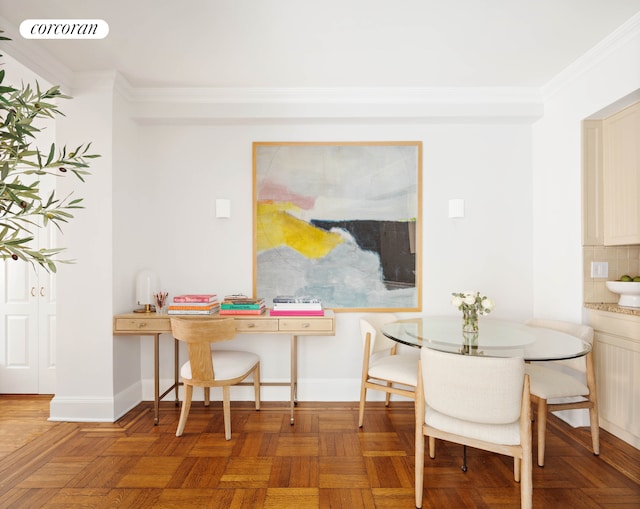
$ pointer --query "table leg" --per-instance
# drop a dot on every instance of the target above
(294, 374)
(464, 459)
(176, 367)
(156, 378)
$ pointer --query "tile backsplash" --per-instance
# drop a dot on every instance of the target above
(621, 259)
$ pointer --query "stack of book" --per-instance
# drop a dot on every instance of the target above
(285, 305)
(194, 304)
(241, 305)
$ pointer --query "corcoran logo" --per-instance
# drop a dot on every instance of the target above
(64, 29)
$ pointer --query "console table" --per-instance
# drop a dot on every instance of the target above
(152, 324)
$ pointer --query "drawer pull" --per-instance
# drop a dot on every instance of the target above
(141, 325)
(251, 325)
(306, 325)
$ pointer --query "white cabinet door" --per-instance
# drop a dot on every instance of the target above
(47, 325)
(19, 335)
(27, 333)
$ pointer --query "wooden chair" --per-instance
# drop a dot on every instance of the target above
(572, 378)
(212, 368)
(476, 401)
(382, 366)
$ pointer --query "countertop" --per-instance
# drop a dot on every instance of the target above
(612, 308)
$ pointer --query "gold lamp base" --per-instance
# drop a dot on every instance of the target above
(148, 308)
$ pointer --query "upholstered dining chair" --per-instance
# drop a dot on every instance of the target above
(476, 401)
(212, 368)
(572, 378)
(383, 368)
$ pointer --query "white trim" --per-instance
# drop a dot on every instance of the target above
(35, 58)
(610, 44)
(81, 409)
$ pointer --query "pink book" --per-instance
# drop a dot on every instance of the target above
(204, 297)
(296, 312)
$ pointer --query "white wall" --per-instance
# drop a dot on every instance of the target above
(150, 203)
(182, 169)
(85, 370)
(126, 349)
(608, 73)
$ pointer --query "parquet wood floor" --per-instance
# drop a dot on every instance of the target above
(323, 461)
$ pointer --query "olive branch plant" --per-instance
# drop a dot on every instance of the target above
(23, 206)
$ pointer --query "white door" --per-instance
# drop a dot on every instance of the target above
(27, 333)
(47, 324)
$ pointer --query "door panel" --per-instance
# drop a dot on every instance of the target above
(19, 331)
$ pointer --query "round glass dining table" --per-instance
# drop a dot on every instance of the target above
(495, 338)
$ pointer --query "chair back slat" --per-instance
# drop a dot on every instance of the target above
(208, 330)
(198, 334)
(473, 388)
(372, 324)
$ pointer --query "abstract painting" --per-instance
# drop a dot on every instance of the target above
(340, 222)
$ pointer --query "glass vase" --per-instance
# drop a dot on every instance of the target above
(469, 322)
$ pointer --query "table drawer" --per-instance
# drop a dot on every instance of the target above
(305, 325)
(249, 325)
(141, 324)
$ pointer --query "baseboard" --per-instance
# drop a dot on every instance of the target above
(81, 409)
(111, 409)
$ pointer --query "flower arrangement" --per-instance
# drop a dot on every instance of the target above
(161, 300)
(472, 304)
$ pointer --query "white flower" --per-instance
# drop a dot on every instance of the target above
(487, 304)
(472, 302)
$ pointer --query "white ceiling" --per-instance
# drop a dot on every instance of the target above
(328, 43)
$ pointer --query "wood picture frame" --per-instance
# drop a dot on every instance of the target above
(340, 221)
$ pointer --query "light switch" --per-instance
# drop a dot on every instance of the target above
(223, 208)
(600, 269)
(456, 208)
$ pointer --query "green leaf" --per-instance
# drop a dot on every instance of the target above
(52, 152)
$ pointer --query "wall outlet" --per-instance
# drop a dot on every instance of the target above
(600, 269)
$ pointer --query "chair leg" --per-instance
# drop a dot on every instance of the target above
(595, 428)
(256, 385)
(184, 411)
(432, 447)
(207, 396)
(363, 398)
(542, 429)
(387, 398)
(419, 467)
(226, 411)
(593, 409)
(526, 483)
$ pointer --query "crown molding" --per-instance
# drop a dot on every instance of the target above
(610, 44)
(352, 95)
(157, 105)
(32, 56)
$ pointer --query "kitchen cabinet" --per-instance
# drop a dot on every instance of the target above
(616, 355)
(592, 193)
(621, 177)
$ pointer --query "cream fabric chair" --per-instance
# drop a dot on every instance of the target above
(382, 366)
(476, 401)
(212, 368)
(572, 378)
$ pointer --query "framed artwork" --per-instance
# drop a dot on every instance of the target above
(339, 221)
